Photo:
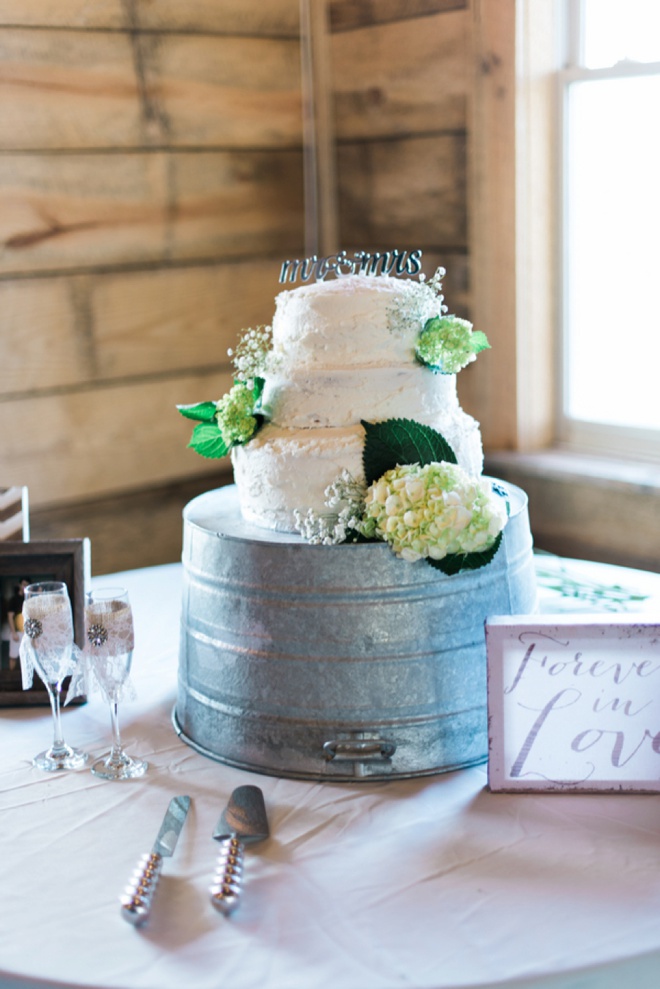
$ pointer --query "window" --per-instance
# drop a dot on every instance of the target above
(610, 242)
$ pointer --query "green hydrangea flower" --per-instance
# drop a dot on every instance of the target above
(234, 415)
(434, 511)
(447, 344)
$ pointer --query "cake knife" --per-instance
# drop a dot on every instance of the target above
(137, 897)
(242, 822)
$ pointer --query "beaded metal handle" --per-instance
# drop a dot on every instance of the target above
(137, 897)
(226, 888)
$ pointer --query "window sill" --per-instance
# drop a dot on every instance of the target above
(588, 507)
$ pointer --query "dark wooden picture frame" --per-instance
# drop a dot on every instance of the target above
(67, 560)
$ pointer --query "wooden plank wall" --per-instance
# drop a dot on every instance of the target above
(150, 181)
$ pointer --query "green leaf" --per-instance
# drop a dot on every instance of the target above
(202, 411)
(207, 441)
(258, 391)
(455, 562)
(479, 342)
(396, 442)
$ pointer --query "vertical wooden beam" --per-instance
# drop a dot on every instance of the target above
(489, 388)
(321, 229)
(512, 140)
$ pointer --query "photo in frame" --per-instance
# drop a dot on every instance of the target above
(66, 560)
(574, 703)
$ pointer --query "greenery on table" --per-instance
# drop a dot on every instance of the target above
(569, 584)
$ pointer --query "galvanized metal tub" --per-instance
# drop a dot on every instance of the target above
(336, 662)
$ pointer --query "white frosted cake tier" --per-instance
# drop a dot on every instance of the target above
(345, 396)
(343, 323)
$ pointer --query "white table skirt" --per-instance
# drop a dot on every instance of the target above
(425, 883)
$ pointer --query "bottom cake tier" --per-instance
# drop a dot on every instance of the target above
(336, 662)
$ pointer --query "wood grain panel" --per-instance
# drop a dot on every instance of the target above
(94, 442)
(404, 193)
(402, 78)
(61, 211)
(160, 321)
(97, 89)
(236, 203)
(40, 343)
(229, 92)
(76, 211)
(68, 90)
(346, 15)
(73, 330)
(276, 18)
(63, 13)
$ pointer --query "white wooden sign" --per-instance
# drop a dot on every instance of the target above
(574, 702)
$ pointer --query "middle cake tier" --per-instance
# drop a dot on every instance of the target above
(345, 396)
(282, 470)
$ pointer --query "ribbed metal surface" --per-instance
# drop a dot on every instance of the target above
(337, 662)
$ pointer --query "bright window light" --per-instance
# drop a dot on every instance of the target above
(612, 220)
(621, 30)
(614, 252)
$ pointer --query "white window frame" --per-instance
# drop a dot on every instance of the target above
(575, 434)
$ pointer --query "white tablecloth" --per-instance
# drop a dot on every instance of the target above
(433, 882)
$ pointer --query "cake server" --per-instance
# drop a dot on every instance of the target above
(242, 822)
(137, 897)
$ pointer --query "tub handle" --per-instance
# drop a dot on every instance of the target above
(359, 749)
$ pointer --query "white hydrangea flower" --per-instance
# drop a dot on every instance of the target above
(434, 511)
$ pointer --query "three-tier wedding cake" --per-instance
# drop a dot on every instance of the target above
(343, 352)
(335, 596)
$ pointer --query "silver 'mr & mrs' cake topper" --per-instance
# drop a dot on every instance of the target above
(362, 263)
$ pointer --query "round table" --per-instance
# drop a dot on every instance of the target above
(428, 883)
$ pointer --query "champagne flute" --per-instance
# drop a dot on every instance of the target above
(109, 648)
(48, 624)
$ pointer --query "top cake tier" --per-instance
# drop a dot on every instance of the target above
(349, 322)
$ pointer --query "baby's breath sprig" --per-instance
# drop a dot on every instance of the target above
(316, 529)
(253, 354)
(345, 491)
(345, 525)
(416, 303)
